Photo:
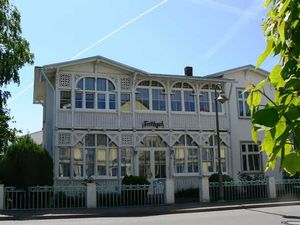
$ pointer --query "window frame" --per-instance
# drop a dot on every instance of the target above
(238, 98)
(248, 171)
(211, 101)
(107, 93)
(186, 148)
(150, 88)
(182, 91)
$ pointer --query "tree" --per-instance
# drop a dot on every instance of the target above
(26, 163)
(14, 54)
(279, 119)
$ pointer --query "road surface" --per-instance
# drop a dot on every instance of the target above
(259, 216)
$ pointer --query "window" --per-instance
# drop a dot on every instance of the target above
(182, 98)
(64, 161)
(150, 96)
(95, 93)
(210, 155)
(186, 155)
(65, 99)
(243, 107)
(251, 158)
(125, 102)
(78, 160)
(207, 99)
(126, 161)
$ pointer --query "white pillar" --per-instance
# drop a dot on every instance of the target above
(170, 191)
(204, 189)
(1, 196)
(271, 184)
(91, 195)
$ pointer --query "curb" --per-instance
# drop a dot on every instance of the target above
(130, 212)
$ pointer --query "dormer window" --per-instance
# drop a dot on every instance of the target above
(95, 93)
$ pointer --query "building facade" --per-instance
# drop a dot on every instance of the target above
(105, 119)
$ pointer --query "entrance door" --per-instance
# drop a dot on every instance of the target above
(152, 164)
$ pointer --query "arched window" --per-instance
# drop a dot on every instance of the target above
(153, 141)
(182, 98)
(207, 99)
(96, 155)
(95, 93)
(150, 95)
(186, 158)
(210, 155)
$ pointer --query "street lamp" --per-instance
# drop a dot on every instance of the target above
(221, 99)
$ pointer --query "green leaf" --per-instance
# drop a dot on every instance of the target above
(266, 53)
(276, 78)
(268, 143)
(267, 117)
(280, 127)
(260, 84)
(281, 31)
(293, 112)
(291, 163)
(254, 98)
(254, 135)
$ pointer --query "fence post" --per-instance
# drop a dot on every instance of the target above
(91, 195)
(204, 192)
(1, 196)
(271, 187)
(170, 191)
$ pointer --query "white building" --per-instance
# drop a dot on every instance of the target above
(106, 119)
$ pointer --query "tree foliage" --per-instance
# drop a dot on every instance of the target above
(26, 163)
(14, 54)
(279, 119)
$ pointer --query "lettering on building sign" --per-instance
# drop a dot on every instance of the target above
(153, 124)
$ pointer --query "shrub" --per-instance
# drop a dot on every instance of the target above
(134, 180)
(26, 164)
(215, 178)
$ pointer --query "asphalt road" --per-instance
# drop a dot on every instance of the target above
(260, 216)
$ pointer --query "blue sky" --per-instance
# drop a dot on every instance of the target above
(210, 35)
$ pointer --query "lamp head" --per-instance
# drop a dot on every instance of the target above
(222, 98)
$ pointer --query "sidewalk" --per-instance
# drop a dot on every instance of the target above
(135, 211)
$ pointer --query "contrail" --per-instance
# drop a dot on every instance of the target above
(98, 42)
(20, 93)
(119, 28)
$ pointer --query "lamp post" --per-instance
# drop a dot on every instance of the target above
(220, 99)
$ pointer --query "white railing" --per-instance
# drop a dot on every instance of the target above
(130, 195)
(288, 188)
(45, 197)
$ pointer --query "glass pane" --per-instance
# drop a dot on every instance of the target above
(204, 101)
(142, 99)
(112, 101)
(207, 159)
(113, 162)
(90, 162)
(90, 140)
(101, 140)
(110, 86)
(101, 101)
(156, 84)
(186, 85)
(90, 83)
(250, 148)
(192, 161)
(179, 160)
(89, 100)
(245, 168)
(144, 83)
(78, 170)
(78, 100)
(243, 148)
(144, 164)
(65, 100)
(248, 113)
(101, 84)
(125, 102)
(214, 104)
(176, 101)
(160, 164)
(256, 161)
(80, 84)
(251, 163)
(64, 169)
(158, 100)
(189, 101)
(126, 161)
(241, 108)
(64, 153)
(101, 162)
